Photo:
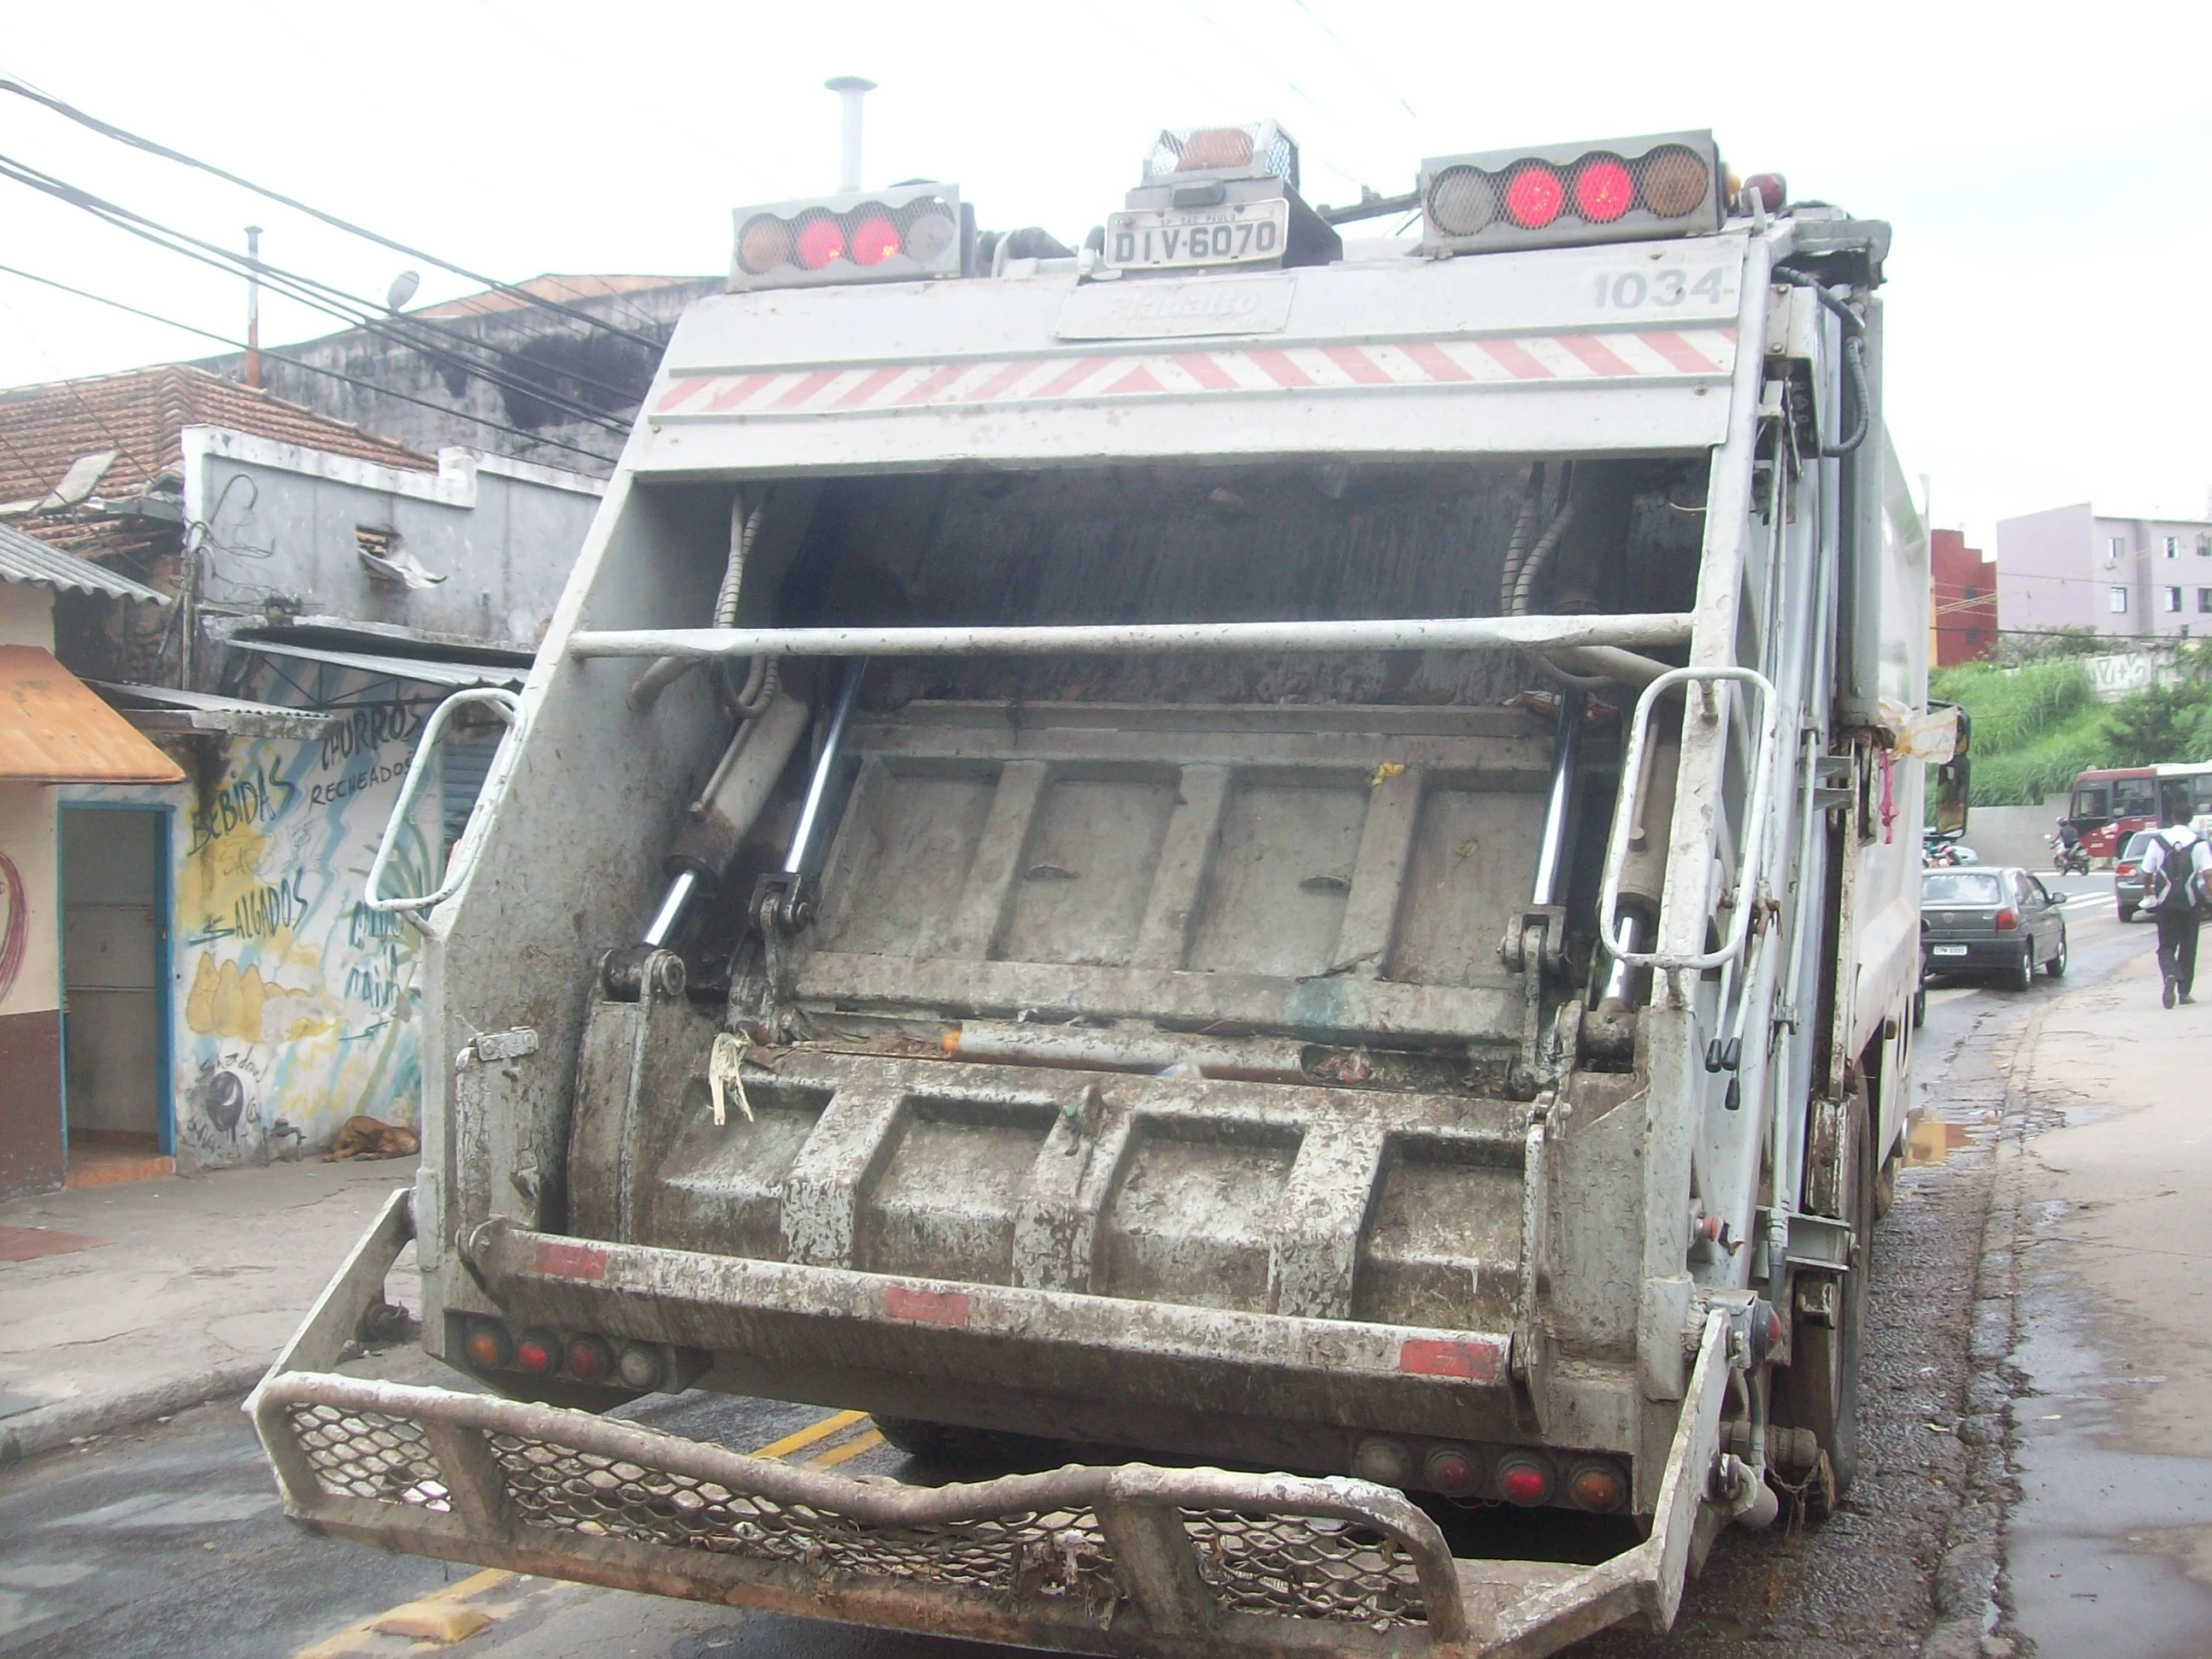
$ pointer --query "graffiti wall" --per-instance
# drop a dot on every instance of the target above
(300, 1003)
(293, 1005)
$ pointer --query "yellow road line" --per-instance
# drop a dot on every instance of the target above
(851, 1448)
(809, 1435)
(343, 1643)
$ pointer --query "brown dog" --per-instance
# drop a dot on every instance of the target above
(370, 1138)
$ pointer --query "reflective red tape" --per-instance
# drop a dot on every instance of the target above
(926, 1306)
(1436, 1356)
(571, 1261)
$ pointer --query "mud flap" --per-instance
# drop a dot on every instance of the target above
(1127, 1560)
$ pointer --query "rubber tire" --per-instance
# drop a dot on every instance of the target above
(2127, 913)
(1820, 1388)
(2056, 966)
(2021, 976)
(1919, 1007)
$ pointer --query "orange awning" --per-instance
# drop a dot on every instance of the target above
(54, 729)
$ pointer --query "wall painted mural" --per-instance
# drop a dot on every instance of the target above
(295, 1006)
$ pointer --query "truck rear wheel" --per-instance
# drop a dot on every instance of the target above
(1820, 1389)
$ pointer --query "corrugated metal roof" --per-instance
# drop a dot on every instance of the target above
(166, 710)
(54, 729)
(27, 559)
(425, 670)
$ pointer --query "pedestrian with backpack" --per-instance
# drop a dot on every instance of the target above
(2177, 881)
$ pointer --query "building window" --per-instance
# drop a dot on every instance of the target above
(2115, 549)
(2204, 546)
(1972, 592)
(2204, 600)
(2117, 602)
(2173, 600)
(2173, 547)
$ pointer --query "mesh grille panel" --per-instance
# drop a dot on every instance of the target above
(1305, 1567)
(368, 1454)
(1283, 1565)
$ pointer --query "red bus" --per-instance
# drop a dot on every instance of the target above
(2111, 803)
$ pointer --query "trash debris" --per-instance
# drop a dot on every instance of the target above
(724, 1072)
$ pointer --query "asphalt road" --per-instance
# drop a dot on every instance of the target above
(169, 1540)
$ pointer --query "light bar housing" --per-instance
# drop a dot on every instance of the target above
(1549, 196)
(1197, 168)
(908, 233)
(1244, 150)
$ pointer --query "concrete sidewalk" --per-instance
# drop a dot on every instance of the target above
(2110, 1549)
(121, 1302)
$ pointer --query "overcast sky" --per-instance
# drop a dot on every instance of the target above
(2047, 169)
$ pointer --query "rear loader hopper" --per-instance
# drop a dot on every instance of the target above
(1277, 870)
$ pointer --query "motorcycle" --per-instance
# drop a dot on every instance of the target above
(2069, 856)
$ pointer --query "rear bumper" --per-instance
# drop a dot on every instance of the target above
(1130, 1561)
(1983, 955)
(1084, 1362)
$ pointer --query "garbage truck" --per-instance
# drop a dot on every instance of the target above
(1261, 884)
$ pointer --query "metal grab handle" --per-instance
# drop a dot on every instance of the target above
(1755, 823)
(510, 710)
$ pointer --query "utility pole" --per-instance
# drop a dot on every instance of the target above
(254, 306)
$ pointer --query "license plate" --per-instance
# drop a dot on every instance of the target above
(1948, 950)
(1172, 239)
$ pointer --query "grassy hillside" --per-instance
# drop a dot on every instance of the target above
(2034, 727)
(2037, 725)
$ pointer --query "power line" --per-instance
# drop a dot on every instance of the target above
(311, 368)
(293, 286)
(119, 134)
(98, 419)
(1345, 46)
(302, 289)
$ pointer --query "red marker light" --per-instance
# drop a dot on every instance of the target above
(590, 1360)
(537, 1352)
(1525, 1478)
(820, 242)
(2007, 921)
(1533, 197)
(1603, 191)
(874, 240)
(1452, 1469)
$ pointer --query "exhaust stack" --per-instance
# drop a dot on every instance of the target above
(850, 89)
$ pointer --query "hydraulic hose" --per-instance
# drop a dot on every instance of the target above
(764, 678)
(1517, 546)
(1855, 355)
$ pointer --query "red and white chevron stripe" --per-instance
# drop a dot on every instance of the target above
(1687, 354)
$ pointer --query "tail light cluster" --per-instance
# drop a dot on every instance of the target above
(1625, 189)
(489, 1346)
(2007, 921)
(1523, 1475)
(903, 234)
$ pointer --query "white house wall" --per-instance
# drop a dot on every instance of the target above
(281, 522)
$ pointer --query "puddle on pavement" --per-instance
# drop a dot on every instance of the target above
(1930, 1139)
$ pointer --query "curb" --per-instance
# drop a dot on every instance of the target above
(1967, 1580)
(48, 1428)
